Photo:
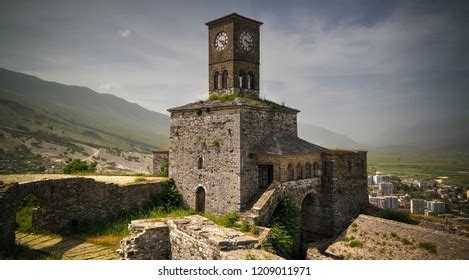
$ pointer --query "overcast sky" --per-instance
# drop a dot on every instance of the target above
(355, 67)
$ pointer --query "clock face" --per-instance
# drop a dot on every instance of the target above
(246, 41)
(221, 41)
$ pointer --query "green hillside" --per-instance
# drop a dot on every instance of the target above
(57, 121)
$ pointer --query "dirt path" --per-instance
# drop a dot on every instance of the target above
(64, 248)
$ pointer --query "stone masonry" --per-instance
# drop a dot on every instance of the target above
(159, 158)
(66, 204)
(229, 153)
(191, 238)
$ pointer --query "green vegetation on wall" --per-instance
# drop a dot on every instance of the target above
(164, 169)
(285, 226)
(24, 216)
(169, 199)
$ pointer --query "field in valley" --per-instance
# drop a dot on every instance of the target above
(455, 167)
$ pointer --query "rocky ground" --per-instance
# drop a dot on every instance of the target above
(373, 238)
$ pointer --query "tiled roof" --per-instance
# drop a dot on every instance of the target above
(238, 102)
(286, 144)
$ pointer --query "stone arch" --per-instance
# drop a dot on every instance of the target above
(291, 172)
(200, 162)
(310, 223)
(250, 83)
(200, 199)
(315, 169)
(224, 79)
(216, 80)
(242, 79)
(299, 171)
(360, 165)
(307, 170)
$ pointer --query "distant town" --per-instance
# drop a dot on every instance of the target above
(419, 197)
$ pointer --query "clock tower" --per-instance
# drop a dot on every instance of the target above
(233, 61)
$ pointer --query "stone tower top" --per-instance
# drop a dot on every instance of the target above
(233, 44)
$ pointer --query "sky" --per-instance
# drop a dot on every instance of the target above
(359, 68)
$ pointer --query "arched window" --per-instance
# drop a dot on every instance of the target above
(242, 79)
(250, 80)
(299, 171)
(200, 199)
(315, 169)
(360, 165)
(216, 79)
(307, 170)
(224, 79)
(291, 172)
(200, 162)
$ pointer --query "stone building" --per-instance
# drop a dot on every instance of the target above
(237, 152)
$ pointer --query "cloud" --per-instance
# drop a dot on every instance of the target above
(124, 33)
(348, 67)
(104, 87)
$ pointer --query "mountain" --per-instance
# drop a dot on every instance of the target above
(324, 137)
(431, 136)
(42, 124)
(60, 121)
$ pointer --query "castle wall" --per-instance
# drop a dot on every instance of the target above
(348, 182)
(256, 125)
(68, 203)
(148, 240)
(159, 158)
(213, 135)
(191, 238)
(280, 165)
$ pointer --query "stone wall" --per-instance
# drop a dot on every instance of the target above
(66, 204)
(149, 240)
(280, 165)
(159, 158)
(256, 125)
(346, 178)
(213, 136)
(191, 238)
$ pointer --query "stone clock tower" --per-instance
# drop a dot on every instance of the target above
(234, 56)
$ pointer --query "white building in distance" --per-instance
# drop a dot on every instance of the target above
(385, 188)
(418, 206)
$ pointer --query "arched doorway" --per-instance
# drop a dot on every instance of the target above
(200, 199)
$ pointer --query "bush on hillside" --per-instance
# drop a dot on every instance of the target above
(79, 166)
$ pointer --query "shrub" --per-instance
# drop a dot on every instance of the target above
(164, 169)
(169, 199)
(356, 244)
(216, 143)
(430, 247)
(402, 217)
(282, 241)
(24, 216)
(406, 241)
(250, 256)
(228, 219)
(287, 215)
(79, 166)
(285, 226)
